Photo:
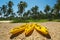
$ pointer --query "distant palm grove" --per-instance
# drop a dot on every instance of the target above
(6, 11)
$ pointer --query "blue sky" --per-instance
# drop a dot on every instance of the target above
(40, 3)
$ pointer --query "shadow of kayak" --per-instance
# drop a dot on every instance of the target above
(15, 35)
(47, 36)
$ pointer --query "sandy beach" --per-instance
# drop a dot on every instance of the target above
(53, 29)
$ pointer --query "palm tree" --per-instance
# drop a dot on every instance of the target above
(34, 11)
(4, 9)
(26, 14)
(41, 15)
(0, 11)
(10, 10)
(57, 7)
(29, 13)
(21, 7)
(46, 10)
(10, 4)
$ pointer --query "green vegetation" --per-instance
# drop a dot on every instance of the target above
(32, 15)
(32, 20)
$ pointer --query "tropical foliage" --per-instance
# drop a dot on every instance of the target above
(7, 12)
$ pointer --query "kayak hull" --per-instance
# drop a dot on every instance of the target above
(17, 29)
(41, 29)
(29, 29)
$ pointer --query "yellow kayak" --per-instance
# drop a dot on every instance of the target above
(29, 29)
(41, 29)
(18, 29)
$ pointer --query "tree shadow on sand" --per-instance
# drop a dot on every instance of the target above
(15, 35)
(47, 36)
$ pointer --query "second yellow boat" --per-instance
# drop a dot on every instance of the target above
(28, 29)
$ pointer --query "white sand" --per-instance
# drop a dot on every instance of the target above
(53, 28)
